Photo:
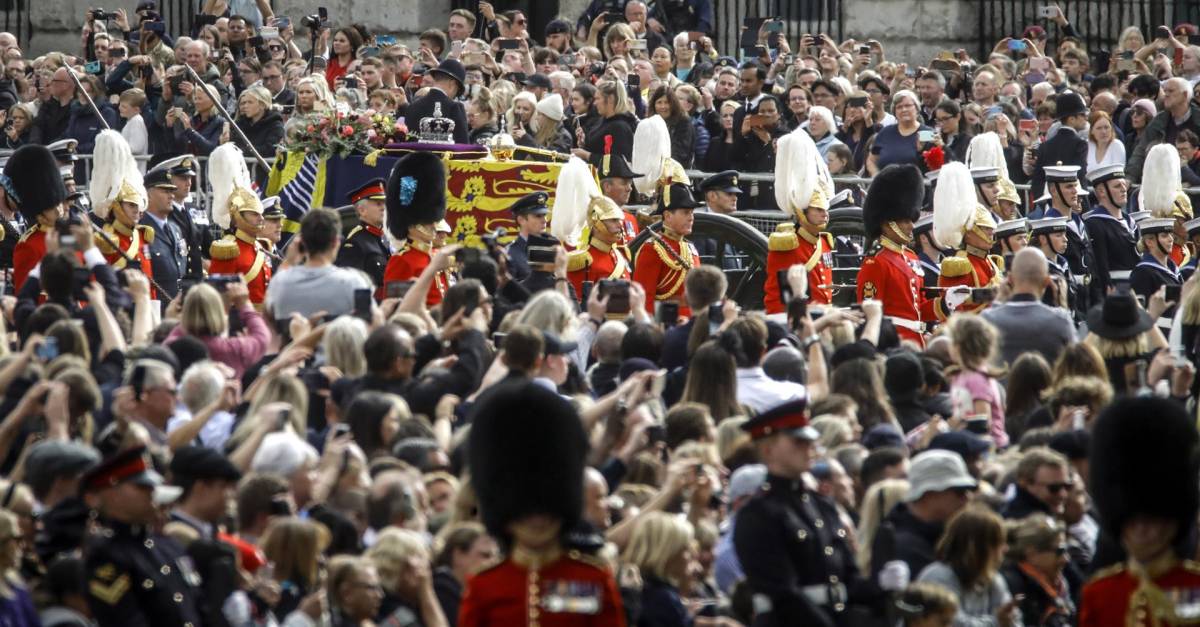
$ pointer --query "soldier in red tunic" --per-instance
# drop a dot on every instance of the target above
(803, 187)
(616, 182)
(1143, 482)
(416, 201)
(663, 262)
(892, 274)
(526, 458)
(601, 258)
(236, 206)
(119, 199)
(33, 185)
(959, 219)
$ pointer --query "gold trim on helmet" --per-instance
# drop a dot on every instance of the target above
(819, 200)
(1182, 208)
(983, 220)
(603, 208)
(244, 200)
(128, 193)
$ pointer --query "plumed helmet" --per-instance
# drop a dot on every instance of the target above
(115, 176)
(572, 196)
(416, 192)
(896, 193)
(954, 204)
(32, 181)
(1161, 180)
(1137, 444)
(802, 178)
(526, 455)
(231, 186)
(985, 151)
(651, 147)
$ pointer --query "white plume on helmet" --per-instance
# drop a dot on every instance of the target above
(651, 145)
(572, 196)
(799, 171)
(953, 204)
(985, 151)
(115, 168)
(1161, 181)
(226, 171)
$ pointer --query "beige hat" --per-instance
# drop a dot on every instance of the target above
(551, 106)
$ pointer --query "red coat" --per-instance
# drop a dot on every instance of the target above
(134, 243)
(971, 270)
(661, 273)
(1109, 599)
(1180, 255)
(28, 252)
(241, 254)
(573, 590)
(407, 265)
(893, 276)
(789, 246)
(598, 261)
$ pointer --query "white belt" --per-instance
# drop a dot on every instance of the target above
(826, 594)
(911, 325)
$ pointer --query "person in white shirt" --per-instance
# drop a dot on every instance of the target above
(134, 131)
(754, 388)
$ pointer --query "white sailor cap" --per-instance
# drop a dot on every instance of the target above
(1106, 173)
(985, 174)
(1008, 228)
(1061, 172)
(1151, 226)
(1048, 225)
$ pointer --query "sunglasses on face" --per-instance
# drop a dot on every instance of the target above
(1058, 487)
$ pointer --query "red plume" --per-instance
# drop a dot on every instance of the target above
(935, 158)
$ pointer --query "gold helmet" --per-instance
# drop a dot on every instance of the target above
(956, 209)
(802, 179)
(231, 186)
(603, 208)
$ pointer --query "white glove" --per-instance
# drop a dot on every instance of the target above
(956, 296)
(894, 576)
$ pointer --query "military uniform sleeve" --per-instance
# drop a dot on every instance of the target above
(111, 595)
(759, 540)
(777, 260)
(646, 270)
(351, 255)
(1144, 282)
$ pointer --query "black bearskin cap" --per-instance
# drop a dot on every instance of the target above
(34, 178)
(526, 455)
(896, 193)
(1145, 460)
(416, 192)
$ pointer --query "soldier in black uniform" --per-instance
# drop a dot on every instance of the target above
(12, 225)
(1066, 201)
(790, 540)
(1113, 233)
(366, 247)
(136, 578)
(1155, 269)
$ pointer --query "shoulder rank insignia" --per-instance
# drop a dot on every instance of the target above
(110, 592)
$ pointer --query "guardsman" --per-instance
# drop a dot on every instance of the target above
(1162, 195)
(928, 251)
(119, 200)
(616, 182)
(802, 187)
(136, 578)
(959, 219)
(525, 435)
(892, 273)
(168, 249)
(1193, 232)
(33, 187)
(793, 546)
(237, 207)
(1049, 235)
(663, 262)
(416, 200)
(1156, 269)
(366, 247)
(1144, 487)
(1011, 237)
(1112, 233)
(601, 258)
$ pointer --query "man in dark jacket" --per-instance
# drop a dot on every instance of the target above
(1065, 147)
(54, 114)
(1043, 484)
(1178, 114)
(448, 80)
(940, 486)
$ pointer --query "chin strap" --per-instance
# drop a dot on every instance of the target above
(900, 235)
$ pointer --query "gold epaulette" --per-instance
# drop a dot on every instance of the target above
(3, 233)
(998, 260)
(224, 249)
(784, 238)
(147, 233)
(102, 243)
(955, 267)
(578, 260)
(1104, 573)
(353, 231)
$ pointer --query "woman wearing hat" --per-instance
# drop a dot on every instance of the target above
(547, 126)
(1123, 332)
(1156, 269)
(119, 199)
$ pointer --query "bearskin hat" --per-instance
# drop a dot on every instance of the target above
(32, 181)
(416, 192)
(896, 193)
(1145, 460)
(526, 456)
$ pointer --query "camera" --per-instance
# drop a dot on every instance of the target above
(543, 249)
(315, 22)
(100, 15)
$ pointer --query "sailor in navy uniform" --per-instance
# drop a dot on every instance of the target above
(1050, 235)
(987, 189)
(1156, 269)
(928, 251)
(1066, 201)
(1011, 236)
(1113, 233)
(1193, 232)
